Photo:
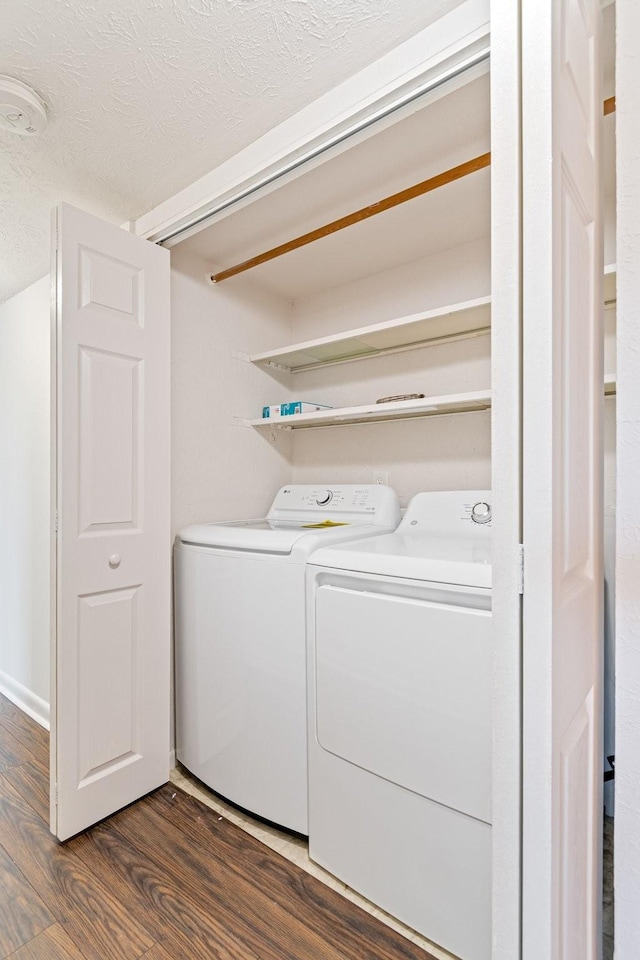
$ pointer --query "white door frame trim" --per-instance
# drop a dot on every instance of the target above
(627, 615)
(506, 472)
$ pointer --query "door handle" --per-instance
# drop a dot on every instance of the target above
(114, 560)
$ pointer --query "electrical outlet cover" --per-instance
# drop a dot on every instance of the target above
(380, 476)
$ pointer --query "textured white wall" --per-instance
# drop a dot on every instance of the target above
(221, 470)
(24, 495)
(438, 453)
(627, 823)
(448, 276)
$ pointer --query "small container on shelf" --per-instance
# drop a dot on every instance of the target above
(291, 408)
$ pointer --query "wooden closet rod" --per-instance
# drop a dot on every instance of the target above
(455, 173)
(433, 183)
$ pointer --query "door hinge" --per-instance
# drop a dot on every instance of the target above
(520, 568)
(55, 524)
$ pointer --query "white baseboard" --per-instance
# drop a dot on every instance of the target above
(34, 706)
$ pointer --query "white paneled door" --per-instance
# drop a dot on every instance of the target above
(111, 558)
(562, 423)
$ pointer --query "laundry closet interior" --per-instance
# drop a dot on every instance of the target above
(395, 304)
(398, 303)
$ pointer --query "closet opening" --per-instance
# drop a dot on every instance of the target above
(386, 325)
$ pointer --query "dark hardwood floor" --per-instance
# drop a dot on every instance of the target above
(164, 879)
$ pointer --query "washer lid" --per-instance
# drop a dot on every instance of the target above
(264, 535)
(414, 556)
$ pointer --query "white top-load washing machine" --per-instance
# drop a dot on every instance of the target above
(241, 712)
(399, 662)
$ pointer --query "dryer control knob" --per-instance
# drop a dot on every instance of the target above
(324, 498)
(481, 512)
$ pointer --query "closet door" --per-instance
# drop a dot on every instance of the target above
(111, 549)
(562, 495)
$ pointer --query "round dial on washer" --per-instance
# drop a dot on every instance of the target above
(324, 498)
(481, 512)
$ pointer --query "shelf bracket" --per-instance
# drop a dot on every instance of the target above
(239, 355)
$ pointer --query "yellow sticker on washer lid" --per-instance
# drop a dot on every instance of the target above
(325, 523)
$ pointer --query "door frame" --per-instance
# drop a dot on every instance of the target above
(627, 603)
(506, 469)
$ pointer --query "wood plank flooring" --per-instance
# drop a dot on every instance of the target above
(165, 879)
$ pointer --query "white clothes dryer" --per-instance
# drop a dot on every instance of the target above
(241, 711)
(399, 659)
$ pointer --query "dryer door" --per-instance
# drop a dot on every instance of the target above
(403, 689)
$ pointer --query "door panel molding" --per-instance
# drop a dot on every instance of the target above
(110, 674)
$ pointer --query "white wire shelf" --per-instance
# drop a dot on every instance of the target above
(456, 321)
(381, 412)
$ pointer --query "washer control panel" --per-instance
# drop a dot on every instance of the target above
(371, 503)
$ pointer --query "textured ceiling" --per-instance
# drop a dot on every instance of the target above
(146, 96)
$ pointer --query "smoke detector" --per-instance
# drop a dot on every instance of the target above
(21, 109)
